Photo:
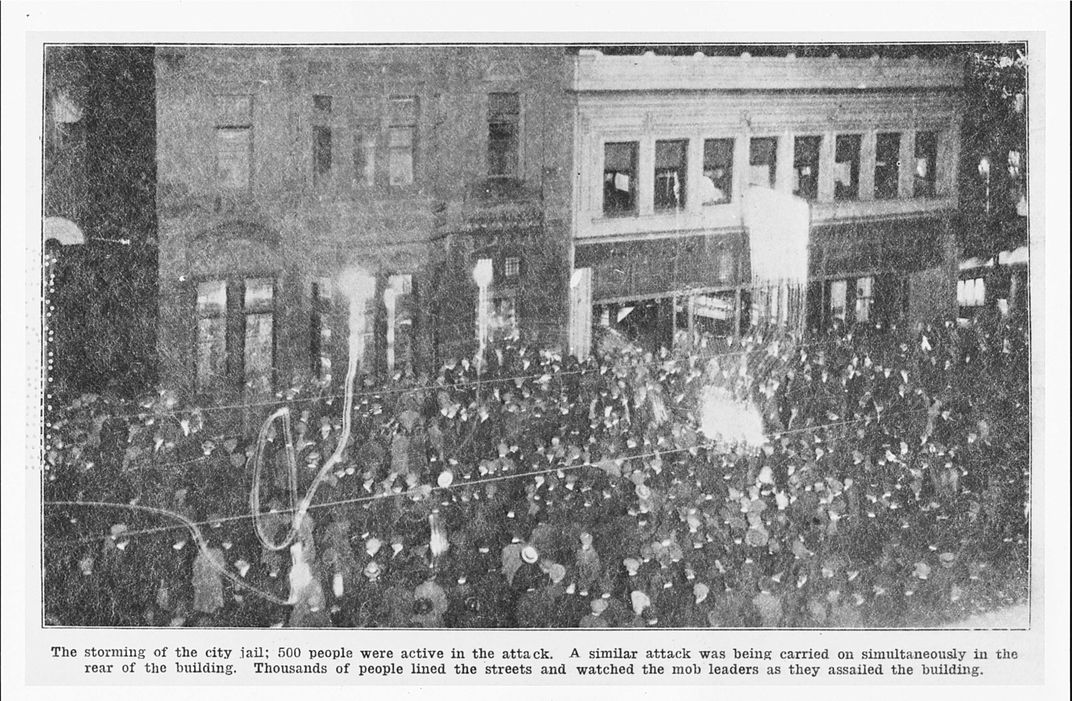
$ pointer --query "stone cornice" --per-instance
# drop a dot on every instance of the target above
(597, 72)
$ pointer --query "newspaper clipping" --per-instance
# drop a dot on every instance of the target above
(591, 361)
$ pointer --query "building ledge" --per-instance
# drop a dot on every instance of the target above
(595, 71)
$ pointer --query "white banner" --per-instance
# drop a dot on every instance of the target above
(778, 225)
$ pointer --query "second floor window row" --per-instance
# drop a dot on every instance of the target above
(670, 180)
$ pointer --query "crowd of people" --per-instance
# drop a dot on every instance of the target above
(889, 487)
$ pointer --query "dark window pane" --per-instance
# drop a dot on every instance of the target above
(502, 149)
(364, 156)
(504, 113)
(258, 298)
(806, 165)
(887, 165)
(847, 167)
(762, 161)
(619, 177)
(670, 174)
(322, 103)
(717, 183)
(926, 164)
(321, 150)
(320, 341)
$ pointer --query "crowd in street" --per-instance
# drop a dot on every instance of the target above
(889, 488)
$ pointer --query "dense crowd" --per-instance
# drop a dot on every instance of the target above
(889, 489)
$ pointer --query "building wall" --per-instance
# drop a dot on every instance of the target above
(301, 226)
(645, 99)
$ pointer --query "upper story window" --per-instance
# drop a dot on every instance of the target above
(504, 122)
(366, 128)
(887, 165)
(763, 161)
(401, 141)
(321, 152)
(234, 151)
(926, 154)
(364, 155)
(847, 167)
(806, 166)
(619, 177)
(670, 161)
(234, 142)
(716, 187)
(322, 137)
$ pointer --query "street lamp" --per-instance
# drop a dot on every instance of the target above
(482, 275)
(984, 171)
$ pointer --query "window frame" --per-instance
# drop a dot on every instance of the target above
(271, 310)
(728, 178)
(512, 267)
(234, 313)
(323, 156)
(681, 170)
(395, 123)
(831, 309)
(865, 302)
(892, 179)
(925, 186)
(851, 192)
(504, 119)
(221, 378)
(366, 137)
(634, 191)
(772, 165)
(818, 165)
(228, 120)
(321, 341)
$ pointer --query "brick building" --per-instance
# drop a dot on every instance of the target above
(669, 147)
(281, 167)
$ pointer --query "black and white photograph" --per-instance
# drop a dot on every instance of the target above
(536, 335)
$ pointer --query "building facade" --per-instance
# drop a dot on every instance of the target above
(282, 168)
(669, 147)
